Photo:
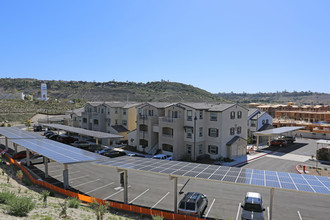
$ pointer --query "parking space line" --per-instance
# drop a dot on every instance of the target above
(99, 188)
(114, 194)
(299, 215)
(239, 207)
(78, 177)
(139, 196)
(86, 183)
(160, 200)
(208, 211)
(268, 212)
(69, 174)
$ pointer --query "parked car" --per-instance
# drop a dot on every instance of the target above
(289, 139)
(37, 128)
(105, 150)
(193, 203)
(135, 155)
(162, 157)
(114, 153)
(278, 142)
(66, 139)
(53, 137)
(95, 148)
(20, 155)
(252, 207)
(48, 133)
(81, 144)
(35, 159)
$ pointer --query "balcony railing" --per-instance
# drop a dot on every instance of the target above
(167, 135)
(169, 120)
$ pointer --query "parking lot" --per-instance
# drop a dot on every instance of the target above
(156, 191)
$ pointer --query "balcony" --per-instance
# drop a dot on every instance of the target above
(169, 120)
(167, 136)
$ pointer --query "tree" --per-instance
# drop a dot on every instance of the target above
(27, 123)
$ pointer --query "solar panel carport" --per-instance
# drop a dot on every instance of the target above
(53, 150)
(89, 133)
(276, 132)
(223, 174)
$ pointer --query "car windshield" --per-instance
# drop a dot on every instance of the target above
(252, 207)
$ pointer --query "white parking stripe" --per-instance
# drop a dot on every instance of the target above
(299, 215)
(160, 200)
(99, 188)
(69, 173)
(78, 177)
(208, 211)
(139, 196)
(115, 193)
(86, 183)
(268, 212)
(239, 207)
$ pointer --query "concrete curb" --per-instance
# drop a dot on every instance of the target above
(245, 162)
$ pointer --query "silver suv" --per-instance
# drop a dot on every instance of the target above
(252, 207)
(193, 203)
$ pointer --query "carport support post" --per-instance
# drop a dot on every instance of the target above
(125, 187)
(15, 147)
(6, 142)
(257, 142)
(46, 166)
(175, 193)
(97, 140)
(66, 176)
(27, 157)
(271, 203)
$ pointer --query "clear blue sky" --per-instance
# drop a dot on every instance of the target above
(219, 46)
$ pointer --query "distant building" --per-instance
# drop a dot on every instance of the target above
(44, 92)
(258, 121)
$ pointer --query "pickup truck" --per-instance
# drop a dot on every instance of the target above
(289, 139)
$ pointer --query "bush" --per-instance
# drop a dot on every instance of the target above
(5, 196)
(20, 206)
(74, 203)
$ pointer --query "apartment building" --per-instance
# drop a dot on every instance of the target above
(189, 130)
(111, 117)
(258, 121)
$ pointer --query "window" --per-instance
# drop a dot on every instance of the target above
(124, 111)
(239, 114)
(188, 147)
(263, 122)
(151, 112)
(168, 147)
(102, 110)
(253, 123)
(124, 122)
(189, 132)
(212, 149)
(95, 109)
(189, 115)
(267, 122)
(232, 131)
(213, 132)
(84, 120)
(108, 111)
(201, 131)
(201, 114)
(232, 115)
(116, 122)
(116, 110)
(96, 122)
(239, 130)
(213, 116)
(200, 149)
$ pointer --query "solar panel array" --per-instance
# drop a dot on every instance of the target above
(13, 132)
(59, 152)
(264, 178)
(96, 134)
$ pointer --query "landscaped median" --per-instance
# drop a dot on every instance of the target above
(312, 170)
(88, 199)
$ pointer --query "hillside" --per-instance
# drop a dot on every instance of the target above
(300, 98)
(109, 91)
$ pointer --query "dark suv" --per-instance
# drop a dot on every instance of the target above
(193, 203)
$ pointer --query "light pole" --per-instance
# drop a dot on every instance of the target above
(195, 119)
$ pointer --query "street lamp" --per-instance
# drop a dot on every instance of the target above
(195, 119)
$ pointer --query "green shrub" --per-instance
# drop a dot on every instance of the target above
(74, 203)
(157, 218)
(5, 196)
(20, 206)
(26, 182)
(99, 209)
(44, 196)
